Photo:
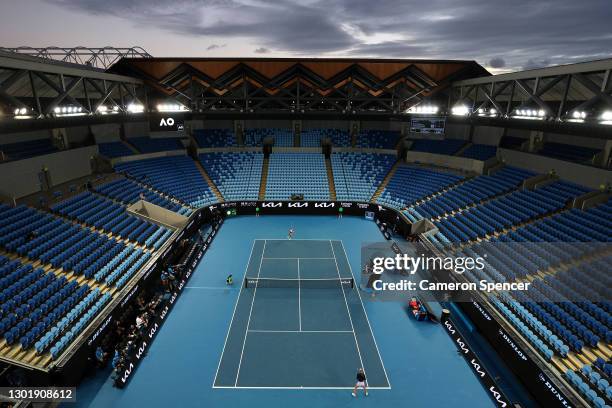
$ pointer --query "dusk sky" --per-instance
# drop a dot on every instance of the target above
(502, 35)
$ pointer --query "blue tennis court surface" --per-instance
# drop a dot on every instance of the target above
(299, 322)
(179, 369)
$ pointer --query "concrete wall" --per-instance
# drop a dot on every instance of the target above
(573, 140)
(451, 162)
(326, 124)
(487, 135)
(576, 173)
(457, 131)
(20, 178)
(108, 132)
(136, 129)
(78, 135)
(267, 123)
(212, 124)
(8, 138)
(381, 125)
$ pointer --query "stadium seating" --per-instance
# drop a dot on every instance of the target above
(479, 152)
(358, 175)
(506, 211)
(24, 150)
(207, 138)
(312, 137)
(236, 175)
(108, 216)
(152, 145)
(162, 172)
(128, 192)
(472, 191)
(255, 137)
(447, 146)
(577, 154)
(378, 139)
(299, 173)
(114, 149)
(411, 183)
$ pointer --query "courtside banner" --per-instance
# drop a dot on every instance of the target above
(539, 383)
(134, 359)
(479, 370)
(301, 207)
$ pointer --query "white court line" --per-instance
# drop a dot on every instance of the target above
(299, 295)
(295, 388)
(366, 315)
(250, 312)
(212, 287)
(246, 268)
(347, 309)
(301, 257)
(300, 331)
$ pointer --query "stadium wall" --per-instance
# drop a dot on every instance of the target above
(21, 178)
(326, 124)
(8, 138)
(592, 177)
(107, 132)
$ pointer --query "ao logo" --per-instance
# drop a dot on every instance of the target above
(166, 122)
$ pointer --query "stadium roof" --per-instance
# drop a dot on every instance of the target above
(300, 85)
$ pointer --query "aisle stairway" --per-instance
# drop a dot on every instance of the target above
(212, 185)
(130, 146)
(264, 178)
(330, 179)
(386, 180)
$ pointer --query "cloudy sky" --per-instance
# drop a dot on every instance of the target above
(502, 35)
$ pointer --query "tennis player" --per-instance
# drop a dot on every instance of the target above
(361, 383)
(291, 233)
(230, 280)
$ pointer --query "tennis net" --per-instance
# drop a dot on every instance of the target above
(299, 283)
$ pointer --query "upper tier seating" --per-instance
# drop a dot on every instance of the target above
(577, 154)
(480, 152)
(255, 137)
(312, 137)
(447, 146)
(177, 176)
(27, 149)
(358, 175)
(410, 183)
(299, 173)
(508, 210)
(472, 191)
(128, 192)
(114, 149)
(152, 145)
(378, 139)
(109, 216)
(236, 175)
(214, 137)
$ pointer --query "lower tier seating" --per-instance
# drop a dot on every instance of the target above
(358, 175)
(411, 183)
(236, 175)
(297, 173)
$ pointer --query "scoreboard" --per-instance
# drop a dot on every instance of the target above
(427, 125)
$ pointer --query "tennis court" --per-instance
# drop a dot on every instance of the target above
(299, 322)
